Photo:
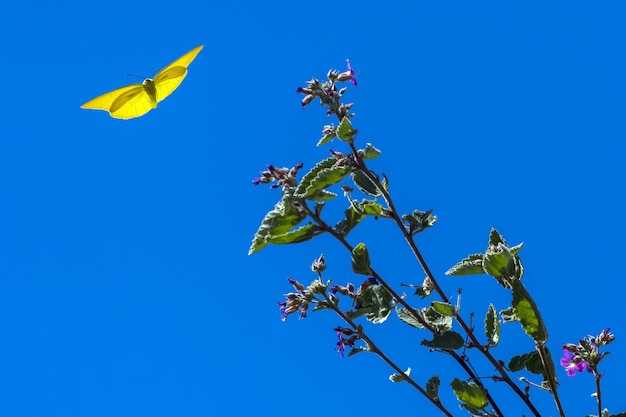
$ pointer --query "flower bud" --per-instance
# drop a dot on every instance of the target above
(307, 100)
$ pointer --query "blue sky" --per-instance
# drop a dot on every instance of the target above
(125, 285)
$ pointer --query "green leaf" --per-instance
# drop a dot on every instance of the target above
(423, 291)
(418, 221)
(496, 238)
(305, 182)
(445, 309)
(321, 176)
(277, 222)
(375, 303)
(353, 217)
(322, 195)
(470, 394)
(534, 364)
(492, 326)
(408, 318)
(527, 313)
(400, 377)
(439, 321)
(432, 387)
(517, 363)
(326, 178)
(361, 260)
(396, 378)
(530, 361)
(344, 131)
(496, 263)
(516, 249)
(508, 315)
(364, 184)
(327, 138)
(472, 265)
(430, 316)
(371, 208)
(448, 340)
(370, 152)
(299, 235)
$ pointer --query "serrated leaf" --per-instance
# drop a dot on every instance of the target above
(448, 340)
(516, 249)
(309, 176)
(492, 326)
(530, 361)
(517, 363)
(372, 208)
(439, 321)
(432, 387)
(408, 318)
(361, 260)
(396, 378)
(322, 195)
(508, 315)
(496, 238)
(496, 263)
(375, 303)
(470, 394)
(370, 152)
(423, 291)
(445, 309)
(344, 131)
(325, 178)
(418, 221)
(472, 265)
(327, 138)
(299, 235)
(364, 184)
(276, 222)
(527, 313)
(534, 364)
(353, 217)
(400, 377)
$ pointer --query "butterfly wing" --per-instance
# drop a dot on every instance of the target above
(123, 103)
(169, 78)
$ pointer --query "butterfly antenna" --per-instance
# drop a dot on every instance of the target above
(133, 75)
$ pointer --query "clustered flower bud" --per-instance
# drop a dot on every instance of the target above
(343, 341)
(319, 265)
(586, 354)
(282, 176)
(327, 91)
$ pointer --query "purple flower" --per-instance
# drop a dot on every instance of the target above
(573, 364)
(347, 75)
(352, 80)
(282, 305)
(340, 344)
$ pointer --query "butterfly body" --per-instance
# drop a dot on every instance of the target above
(138, 99)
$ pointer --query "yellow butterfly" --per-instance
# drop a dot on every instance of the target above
(138, 99)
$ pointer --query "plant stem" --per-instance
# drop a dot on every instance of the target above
(411, 242)
(373, 348)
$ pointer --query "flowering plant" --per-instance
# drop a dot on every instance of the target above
(374, 299)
